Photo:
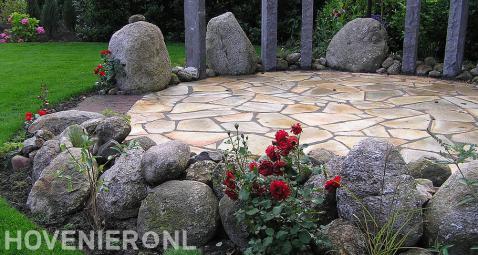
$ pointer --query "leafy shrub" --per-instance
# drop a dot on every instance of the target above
(50, 16)
(34, 9)
(23, 29)
(7, 7)
(69, 15)
(275, 208)
(107, 70)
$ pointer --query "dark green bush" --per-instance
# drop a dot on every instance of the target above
(69, 15)
(50, 17)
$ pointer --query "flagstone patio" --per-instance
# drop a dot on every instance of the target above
(336, 109)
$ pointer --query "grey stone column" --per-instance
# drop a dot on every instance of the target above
(455, 38)
(306, 34)
(269, 34)
(195, 34)
(410, 40)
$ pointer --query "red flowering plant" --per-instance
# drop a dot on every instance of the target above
(275, 206)
(30, 117)
(107, 70)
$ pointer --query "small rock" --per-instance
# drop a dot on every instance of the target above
(235, 231)
(90, 125)
(395, 67)
(474, 71)
(425, 168)
(106, 150)
(430, 61)
(294, 67)
(293, 58)
(438, 67)
(345, 238)
(209, 155)
(113, 91)
(136, 18)
(188, 74)
(320, 156)
(381, 70)
(113, 128)
(387, 62)
(464, 76)
(282, 64)
(44, 135)
(434, 74)
(210, 73)
(164, 162)
(423, 70)
(144, 142)
(201, 171)
(318, 67)
(417, 251)
(176, 69)
(425, 190)
(323, 61)
(174, 79)
(20, 162)
(29, 145)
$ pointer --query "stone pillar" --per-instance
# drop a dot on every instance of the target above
(410, 40)
(269, 34)
(195, 34)
(455, 38)
(306, 34)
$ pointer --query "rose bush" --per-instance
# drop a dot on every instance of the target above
(106, 70)
(23, 29)
(275, 206)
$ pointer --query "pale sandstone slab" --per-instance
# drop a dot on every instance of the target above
(175, 91)
(275, 120)
(196, 138)
(148, 106)
(199, 125)
(426, 144)
(469, 137)
(382, 95)
(246, 127)
(358, 96)
(137, 129)
(341, 108)
(394, 113)
(418, 122)
(233, 101)
(201, 114)
(354, 125)
(257, 147)
(193, 107)
(331, 145)
(451, 115)
(209, 88)
(410, 155)
(265, 90)
(300, 108)
(461, 102)
(271, 99)
(236, 117)
(411, 99)
(376, 131)
(364, 105)
(451, 127)
(160, 126)
(312, 135)
(350, 133)
(408, 134)
(205, 98)
(140, 118)
(260, 107)
(315, 119)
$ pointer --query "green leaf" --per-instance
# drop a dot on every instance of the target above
(281, 234)
(277, 210)
(267, 241)
(252, 211)
(244, 194)
(270, 232)
(304, 237)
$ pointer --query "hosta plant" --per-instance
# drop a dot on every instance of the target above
(274, 205)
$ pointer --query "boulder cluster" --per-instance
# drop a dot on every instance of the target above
(165, 187)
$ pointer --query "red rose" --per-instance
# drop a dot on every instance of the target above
(279, 190)
(266, 167)
(272, 153)
(285, 146)
(42, 112)
(97, 70)
(252, 166)
(258, 189)
(105, 52)
(281, 136)
(230, 180)
(296, 129)
(333, 183)
(100, 66)
(277, 168)
(28, 116)
(102, 73)
(232, 194)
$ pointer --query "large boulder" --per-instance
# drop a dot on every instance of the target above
(228, 50)
(123, 187)
(165, 162)
(180, 205)
(58, 121)
(379, 189)
(44, 156)
(236, 231)
(61, 189)
(448, 220)
(141, 50)
(428, 168)
(360, 46)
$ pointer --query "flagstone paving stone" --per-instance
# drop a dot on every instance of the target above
(336, 110)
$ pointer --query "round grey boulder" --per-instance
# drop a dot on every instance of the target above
(360, 46)
(228, 50)
(58, 121)
(164, 162)
(61, 189)
(236, 231)
(114, 128)
(143, 141)
(44, 156)
(345, 238)
(180, 206)
(448, 219)
(123, 187)
(201, 171)
(377, 180)
(141, 50)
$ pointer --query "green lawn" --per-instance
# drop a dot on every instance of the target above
(66, 68)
